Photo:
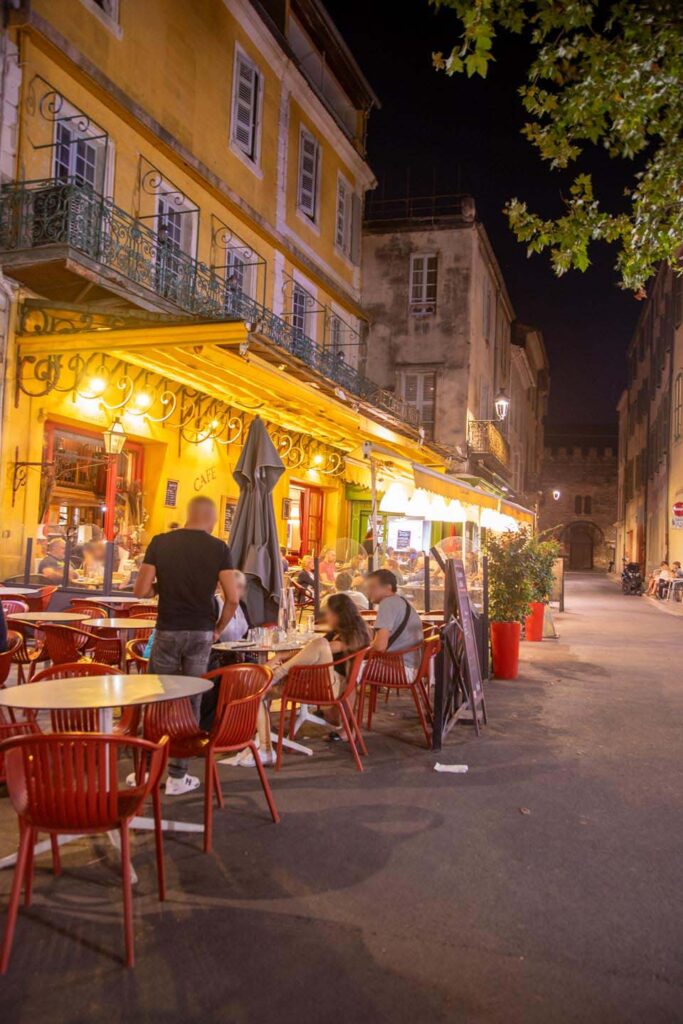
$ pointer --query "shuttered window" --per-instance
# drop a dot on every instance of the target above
(423, 279)
(78, 158)
(342, 230)
(419, 392)
(309, 168)
(246, 86)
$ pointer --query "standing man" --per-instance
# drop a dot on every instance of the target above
(188, 564)
(397, 625)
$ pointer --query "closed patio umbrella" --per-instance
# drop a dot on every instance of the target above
(253, 537)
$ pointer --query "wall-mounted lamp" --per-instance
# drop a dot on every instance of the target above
(501, 404)
(556, 495)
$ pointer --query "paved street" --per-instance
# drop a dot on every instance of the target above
(403, 895)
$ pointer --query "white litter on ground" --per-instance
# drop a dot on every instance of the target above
(457, 769)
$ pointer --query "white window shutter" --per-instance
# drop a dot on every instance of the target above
(341, 232)
(356, 227)
(245, 99)
(308, 174)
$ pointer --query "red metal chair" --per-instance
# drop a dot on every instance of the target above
(87, 719)
(242, 688)
(14, 642)
(66, 644)
(88, 608)
(27, 656)
(310, 684)
(39, 601)
(68, 783)
(135, 655)
(386, 670)
(143, 611)
(13, 606)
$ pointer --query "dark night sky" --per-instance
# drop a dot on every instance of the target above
(463, 135)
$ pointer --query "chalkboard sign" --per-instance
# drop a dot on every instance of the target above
(171, 496)
(229, 506)
(471, 659)
(402, 539)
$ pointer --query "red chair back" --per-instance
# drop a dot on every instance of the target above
(135, 653)
(387, 668)
(174, 718)
(14, 642)
(87, 609)
(64, 643)
(13, 606)
(71, 781)
(74, 719)
(143, 611)
(432, 646)
(242, 688)
(41, 599)
(8, 729)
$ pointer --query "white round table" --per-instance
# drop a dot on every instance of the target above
(19, 592)
(122, 624)
(104, 693)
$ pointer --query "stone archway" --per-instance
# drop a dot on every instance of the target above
(582, 541)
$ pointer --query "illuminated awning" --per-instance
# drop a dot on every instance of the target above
(453, 489)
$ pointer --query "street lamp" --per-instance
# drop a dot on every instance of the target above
(556, 495)
(502, 404)
(114, 440)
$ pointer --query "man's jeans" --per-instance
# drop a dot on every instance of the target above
(182, 652)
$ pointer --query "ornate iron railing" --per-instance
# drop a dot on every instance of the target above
(49, 212)
(486, 439)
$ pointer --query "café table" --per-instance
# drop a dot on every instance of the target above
(262, 652)
(121, 625)
(54, 618)
(104, 693)
(119, 599)
(19, 591)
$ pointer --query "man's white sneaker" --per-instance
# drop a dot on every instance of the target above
(176, 787)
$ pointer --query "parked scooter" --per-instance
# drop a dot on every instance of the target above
(631, 579)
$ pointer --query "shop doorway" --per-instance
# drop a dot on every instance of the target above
(304, 516)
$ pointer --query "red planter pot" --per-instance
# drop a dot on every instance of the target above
(505, 649)
(533, 629)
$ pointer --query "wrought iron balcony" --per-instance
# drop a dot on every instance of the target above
(47, 213)
(485, 439)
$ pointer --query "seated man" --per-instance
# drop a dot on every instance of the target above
(52, 565)
(397, 625)
(305, 579)
(344, 585)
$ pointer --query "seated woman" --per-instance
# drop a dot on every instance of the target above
(347, 633)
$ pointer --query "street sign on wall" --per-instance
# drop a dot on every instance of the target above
(677, 515)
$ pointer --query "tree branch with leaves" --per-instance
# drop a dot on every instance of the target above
(604, 74)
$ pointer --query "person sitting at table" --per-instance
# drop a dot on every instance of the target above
(347, 633)
(659, 581)
(392, 565)
(344, 585)
(417, 573)
(52, 565)
(236, 629)
(397, 625)
(328, 567)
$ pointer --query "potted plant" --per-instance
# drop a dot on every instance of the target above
(509, 595)
(541, 555)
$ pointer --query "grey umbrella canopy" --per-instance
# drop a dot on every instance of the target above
(253, 537)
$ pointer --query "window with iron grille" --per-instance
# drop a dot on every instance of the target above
(309, 172)
(418, 388)
(246, 89)
(423, 281)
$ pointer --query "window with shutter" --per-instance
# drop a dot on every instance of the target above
(309, 163)
(422, 288)
(78, 159)
(299, 310)
(246, 85)
(419, 392)
(342, 230)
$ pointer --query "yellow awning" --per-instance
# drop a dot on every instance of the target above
(450, 487)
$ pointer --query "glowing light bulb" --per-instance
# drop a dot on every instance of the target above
(143, 401)
(318, 459)
(97, 385)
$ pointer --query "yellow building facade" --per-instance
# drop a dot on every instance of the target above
(180, 236)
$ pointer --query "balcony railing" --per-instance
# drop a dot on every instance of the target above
(34, 214)
(486, 439)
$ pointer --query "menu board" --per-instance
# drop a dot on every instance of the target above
(171, 496)
(471, 660)
(229, 506)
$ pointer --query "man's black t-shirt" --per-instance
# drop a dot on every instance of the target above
(187, 563)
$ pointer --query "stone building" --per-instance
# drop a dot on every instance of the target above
(578, 500)
(441, 336)
(651, 430)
